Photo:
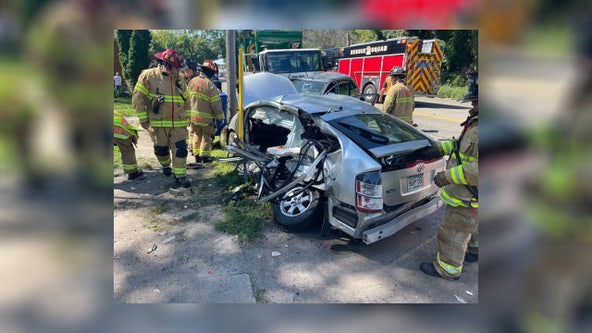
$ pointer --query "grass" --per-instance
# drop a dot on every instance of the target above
(124, 106)
(243, 218)
(455, 93)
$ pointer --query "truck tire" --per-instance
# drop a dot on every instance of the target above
(369, 88)
(299, 212)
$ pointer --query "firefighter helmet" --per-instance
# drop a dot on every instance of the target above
(473, 90)
(170, 57)
(209, 68)
(397, 71)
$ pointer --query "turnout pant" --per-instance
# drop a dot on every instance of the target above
(170, 144)
(202, 139)
(128, 154)
(453, 237)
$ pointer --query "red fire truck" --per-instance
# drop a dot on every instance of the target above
(369, 63)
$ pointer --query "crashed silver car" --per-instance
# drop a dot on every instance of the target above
(336, 159)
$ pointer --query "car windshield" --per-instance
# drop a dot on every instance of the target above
(372, 130)
(310, 87)
(293, 61)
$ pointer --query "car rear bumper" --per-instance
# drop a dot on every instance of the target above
(390, 228)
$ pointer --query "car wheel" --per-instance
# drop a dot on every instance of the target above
(369, 89)
(299, 212)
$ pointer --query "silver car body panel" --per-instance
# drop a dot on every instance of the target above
(408, 194)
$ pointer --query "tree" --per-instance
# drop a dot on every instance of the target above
(123, 42)
(138, 55)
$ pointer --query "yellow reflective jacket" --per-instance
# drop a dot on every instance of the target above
(204, 104)
(171, 113)
(122, 129)
(399, 102)
(463, 174)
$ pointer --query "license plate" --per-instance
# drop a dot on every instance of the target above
(414, 182)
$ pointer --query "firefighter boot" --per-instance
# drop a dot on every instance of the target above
(207, 159)
(428, 268)
(167, 171)
(471, 257)
(135, 175)
(197, 159)
(183, 182)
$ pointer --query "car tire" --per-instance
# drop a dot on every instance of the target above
(300, 212)
(369, 88)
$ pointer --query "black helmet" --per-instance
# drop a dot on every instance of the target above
(473, 93)
(398, 71)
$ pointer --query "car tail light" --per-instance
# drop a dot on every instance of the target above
(369, 192)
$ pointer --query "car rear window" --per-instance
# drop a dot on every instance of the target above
(310, 87)
(373, 130)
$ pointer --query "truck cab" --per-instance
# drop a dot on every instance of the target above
(291, 63)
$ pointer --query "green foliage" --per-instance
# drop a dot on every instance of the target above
(138, 55)
(363, 36)
(460, 55)
(456, 93)
(199, 45)
(123, 43)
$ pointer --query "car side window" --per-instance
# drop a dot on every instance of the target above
(343, 89)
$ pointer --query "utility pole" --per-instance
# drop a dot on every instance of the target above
(231, 73)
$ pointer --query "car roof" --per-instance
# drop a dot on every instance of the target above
(320, 104)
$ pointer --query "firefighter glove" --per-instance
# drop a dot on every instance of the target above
(146, 125)
(440, 179)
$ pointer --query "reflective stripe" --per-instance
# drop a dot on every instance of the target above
(188, 113)
(407, 119)
(404, 100)
(205, 153)
(215, 98)
(198, 121)
(206, 115)
(452, 270)
(168, 123)
(120, 136)
(458, 175)
(141, 88)
(180, 171)
(474, 244)
(202, 96)
(143, 115)
(175, 99)
(467, 158)
(450, 201)
(130, 167)
(447, 146)
(454, 202)
(166, 162)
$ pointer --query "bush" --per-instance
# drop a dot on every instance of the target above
(456, 93)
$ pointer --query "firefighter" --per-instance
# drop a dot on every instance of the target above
(189, 71)
(388, 83)
(205, 108)
(459, 192)
(399, 98)
(159, 99)
(125, 137)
